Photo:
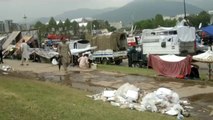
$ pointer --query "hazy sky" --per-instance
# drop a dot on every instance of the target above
(16, 9)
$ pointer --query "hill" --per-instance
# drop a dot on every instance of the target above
(77, 14)
(204, 4)
(138, 10)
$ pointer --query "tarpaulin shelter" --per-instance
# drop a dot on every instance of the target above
(15, 35)
(27, 39)
(170, 65)
(207, 57)
(208, 30)
(115, 41)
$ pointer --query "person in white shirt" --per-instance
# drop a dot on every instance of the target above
(24, 52)
(83, 61)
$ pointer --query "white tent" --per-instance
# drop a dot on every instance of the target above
(206, 57)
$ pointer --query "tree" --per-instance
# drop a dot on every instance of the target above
(204, 18)
(95, 24)
(75, 27)
(42, 28)
(60, 26)
(38, 24)
(144, 24)
(67, 24)
(89, 26)
(52, 26)
(158, 21)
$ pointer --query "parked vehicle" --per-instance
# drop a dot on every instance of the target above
(179, 40)
(111, 48)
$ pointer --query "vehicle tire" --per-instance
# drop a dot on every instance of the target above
(136, 65)
(105, 61)
(118, 62)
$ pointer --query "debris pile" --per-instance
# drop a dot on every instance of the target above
(6, 68)
(162, 100)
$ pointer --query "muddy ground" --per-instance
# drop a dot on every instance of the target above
(198, 93)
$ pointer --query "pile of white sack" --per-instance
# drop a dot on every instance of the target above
(162, 100)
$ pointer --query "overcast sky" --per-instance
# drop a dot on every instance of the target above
(16, 9)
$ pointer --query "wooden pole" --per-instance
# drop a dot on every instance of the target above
(210, 70)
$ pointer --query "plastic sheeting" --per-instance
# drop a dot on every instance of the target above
(162, 100)
(186, 34)
(208, 29)
(170, 69)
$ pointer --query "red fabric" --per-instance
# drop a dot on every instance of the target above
(53, 36)
(170, 69)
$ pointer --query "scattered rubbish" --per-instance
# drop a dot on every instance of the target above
(211, 114)
(54, 61)
(188, 107)
(180, 116)
(6, 68)
(93, 66)
(162, 100)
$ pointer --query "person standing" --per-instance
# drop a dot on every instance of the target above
(130, 53)
(25, 54)
(64, 53)
(1, 50)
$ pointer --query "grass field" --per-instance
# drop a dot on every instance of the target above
(137, 71)
(127, 70)
(24, 99)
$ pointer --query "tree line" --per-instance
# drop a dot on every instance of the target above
(69, 28)
(192, 20)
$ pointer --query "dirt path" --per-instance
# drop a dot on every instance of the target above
(199, 94)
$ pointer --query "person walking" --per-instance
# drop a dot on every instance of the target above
(24, 52)
(64, 53)
(1, 50)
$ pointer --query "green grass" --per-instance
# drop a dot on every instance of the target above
(127, 70)
(24, 99)
(137, 71)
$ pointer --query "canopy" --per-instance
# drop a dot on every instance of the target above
(174, 68)
(206, 57)
(208, 29)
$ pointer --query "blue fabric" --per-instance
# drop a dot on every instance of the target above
(208, 30)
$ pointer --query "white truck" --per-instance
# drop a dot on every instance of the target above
(109, 56)
(179, 40)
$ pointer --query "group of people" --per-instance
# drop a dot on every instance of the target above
(65, 56)
(63, 50)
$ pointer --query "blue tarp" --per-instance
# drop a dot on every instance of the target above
(208, 30)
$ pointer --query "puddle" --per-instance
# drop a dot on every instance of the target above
(203, 106)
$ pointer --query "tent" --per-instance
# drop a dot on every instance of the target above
(208, 29)
(206, 57)
(170, 65)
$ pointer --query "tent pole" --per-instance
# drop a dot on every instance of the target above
(210, 70)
